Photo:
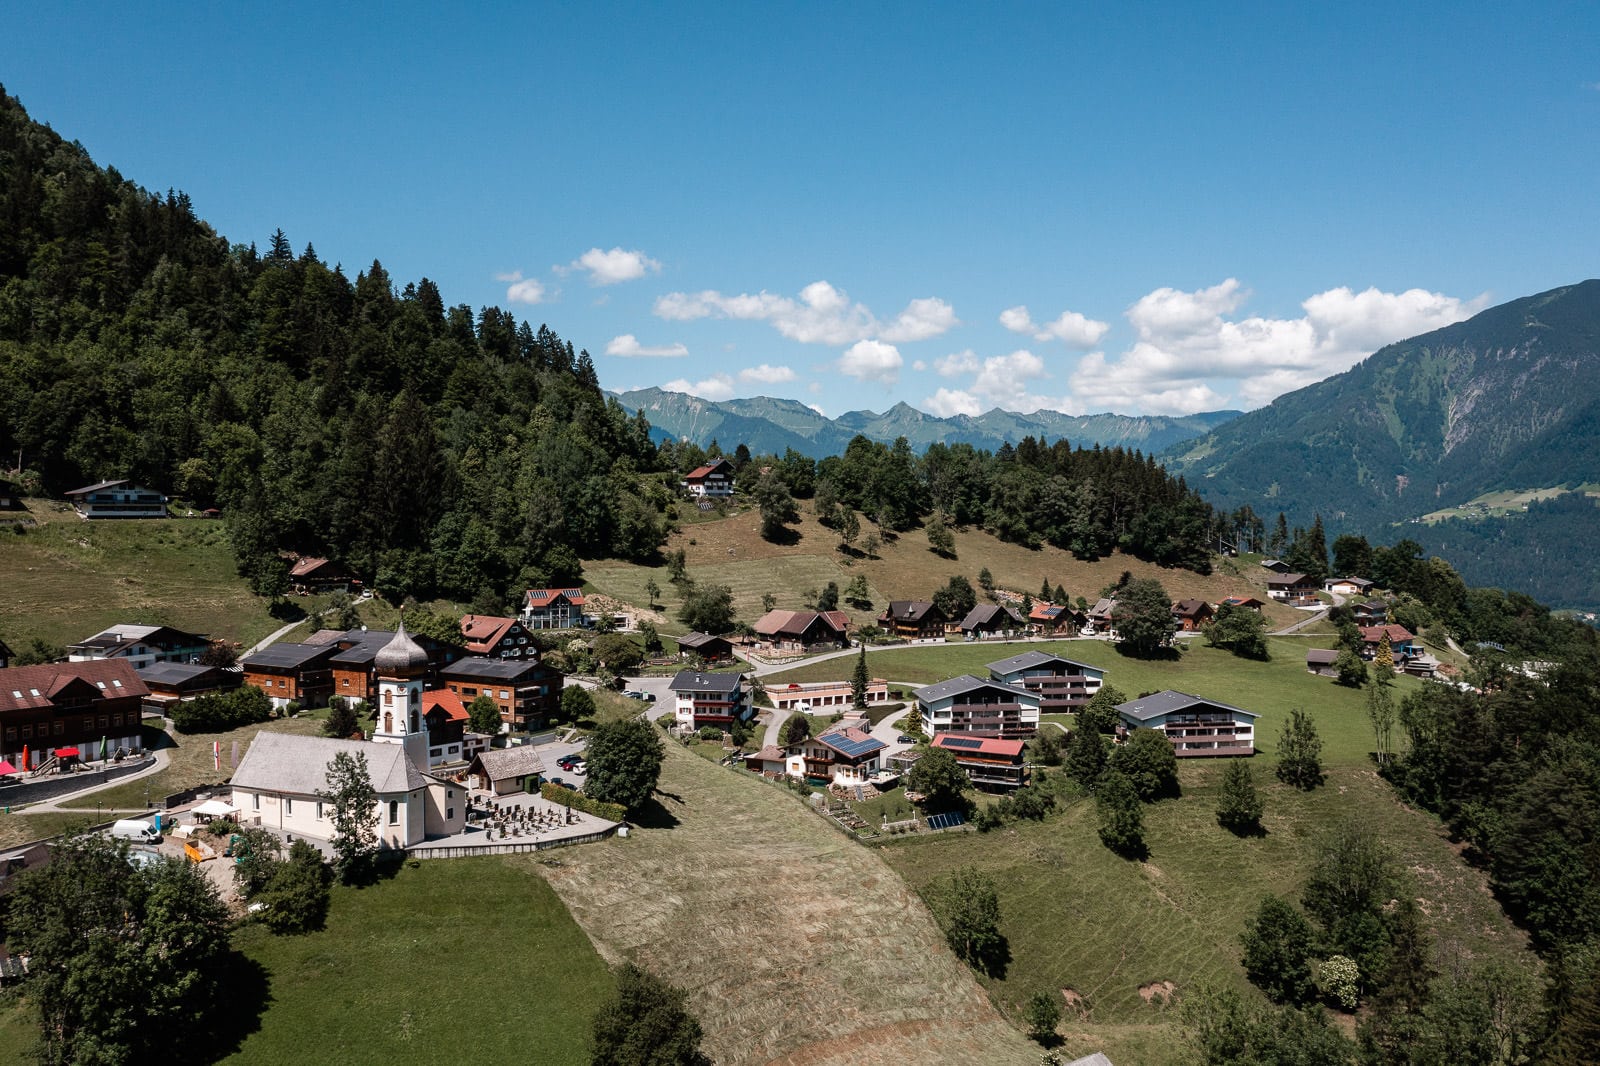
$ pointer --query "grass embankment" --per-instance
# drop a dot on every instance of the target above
(465, 960)
(799, 945)
(67, 579)
(1270, 689)
(1078, 917)
(731, 551)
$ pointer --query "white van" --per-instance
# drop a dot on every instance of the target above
(136, 831)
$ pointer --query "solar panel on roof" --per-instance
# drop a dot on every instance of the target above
(945, 821)
(962, 742)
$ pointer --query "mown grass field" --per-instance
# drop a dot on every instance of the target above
(462, 960)
(1270, 689)
(731, 551)
(1078, 917)
(799, 945)
(67, 578)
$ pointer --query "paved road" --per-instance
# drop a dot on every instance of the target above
(273, 638)
(1289, 631)
(52, 806)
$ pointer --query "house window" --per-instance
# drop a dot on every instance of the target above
(288, 805)
(388, 699)
(504, 694)
(449, 812)
(255, 801)
(61, 727)
(394, 812)
(11, 733)
(319, 812)
(27, 732)
(105, 721)
(88, 723)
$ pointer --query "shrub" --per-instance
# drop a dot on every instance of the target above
(611, 812)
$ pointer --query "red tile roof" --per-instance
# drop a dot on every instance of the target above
(700, 473)
(966, 744)
(1397, 634)
(35, 686)
(483, 631)
(446, 701)
(545, 597)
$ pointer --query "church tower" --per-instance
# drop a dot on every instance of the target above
(401, 664)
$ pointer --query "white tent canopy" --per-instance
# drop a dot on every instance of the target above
(215, 808)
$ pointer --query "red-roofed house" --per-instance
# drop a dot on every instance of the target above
(1402, 642)
(713, 479)
(841, 756)
(553, 609)
(989, 761)
(447, 719)
(1049, 618)
(56, 705)
(497, 638)
(1243, 601)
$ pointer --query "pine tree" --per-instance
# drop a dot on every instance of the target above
(1086, 757)
(1121, 815)
(860, 680)
(1239, 806)
(1300, 752)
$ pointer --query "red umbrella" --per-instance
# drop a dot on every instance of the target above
(6, 769)
(24, 758)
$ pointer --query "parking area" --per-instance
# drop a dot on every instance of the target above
(553, 753)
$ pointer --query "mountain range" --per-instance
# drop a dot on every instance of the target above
(770, 425)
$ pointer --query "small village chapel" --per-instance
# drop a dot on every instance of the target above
(280, 779)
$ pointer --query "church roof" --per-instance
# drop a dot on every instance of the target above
(284, 762)
(402, 656)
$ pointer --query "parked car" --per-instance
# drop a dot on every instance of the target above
(903, 739)
(558, 781)
(566, 762)
(579, 767)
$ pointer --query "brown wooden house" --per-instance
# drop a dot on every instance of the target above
(297, 672)
(914, 620)
(497, 638)
(527, 693)
(62, 706)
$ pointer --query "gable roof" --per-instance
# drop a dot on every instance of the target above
(962, 744)
(285, 762)
(115, 638)
(1046, 612)
(96, 487)
(1359, 582)
(1032, 660)
(958, 686)
(1103, 607)
(700, 473)
(797, 623)
(1397, 634)
(989, 614)
(288, 656)
(1190, 608)
(477, 668)
(309, 565)
(1241, 601)
(1146, 708)
(447, 702)
(537, 598)
(483, 631)
(34, 686)
(912, 610)
(699, 640)
(851, 743)
(174, 673)
(501, 763)
(695, 681)
(1321, 656)
(1280, 580)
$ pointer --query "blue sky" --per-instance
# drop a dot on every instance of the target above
(1151, 208)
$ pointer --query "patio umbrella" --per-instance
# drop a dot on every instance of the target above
(102, 749)
(6, 769)
(24, 758)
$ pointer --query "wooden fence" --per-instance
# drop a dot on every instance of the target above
(521, 847)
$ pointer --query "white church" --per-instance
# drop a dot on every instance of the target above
(278, 782)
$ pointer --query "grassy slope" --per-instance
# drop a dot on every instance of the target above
(459, 960)
(1079, 917)
(1270, 689)
(906, 569)
(67, 579)
(798, 946)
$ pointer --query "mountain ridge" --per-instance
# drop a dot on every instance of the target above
(770, 424)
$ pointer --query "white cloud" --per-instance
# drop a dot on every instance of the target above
(948, 402)
(1069, 327)
(871, 361)
(525, 290)
(821, 315)
(715, 387)
(610, 268)
(628, 347)
(957, 363)
(818, 408)
(1188, 348)
(997, 381)
(515, 275)
(767, 375)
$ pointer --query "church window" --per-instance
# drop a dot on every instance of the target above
(388, 721)
(288, 805)
(319, 812)
(388, 699)
(255, 801)
(394, 812)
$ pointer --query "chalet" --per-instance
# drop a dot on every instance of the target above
(1192, 614)
(990, 620)
(1102, 615)
(710, 699)
(5, 656)
(1402, 643)
(140, 645)
(1320, 661)
(527, 693)
(914, 620)
(1347, 586)
(1277, 566)
(553, 609)
(971, 705)
(1062, 685)
(59, 706)
(1422, 665)
(1370, 612)
(1292, 587)
(292, 672)
(1248, 602)
(989, 762)
(171, 683)
(118, 499)
(447, 719)
(354, 662)
(310, 575)
(804, 630)
(840, 756)
(282, 779)
(814, 695)
(1195, 725)
(715, 479)
(497, 638)
(507, 771)
(1048, 619)
(770, 761)
(710, 649)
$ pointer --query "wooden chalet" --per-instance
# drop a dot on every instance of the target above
(311, 575)
(839, 756)
(1403, 644)
(171, 683)
(1248, 602)
(553, 609)
(1320, 661)
(61, 707)
(710, 649)
(117, 499)
(1102, 616)
(1192, 614)
(1369, 612)
(497, 638)
(299, 673)
(990, 620)
(1293, 588)
(1347, 586)
(354, 661)
(914, 620)
(714, 479)
(1051, 619)
(804, 630)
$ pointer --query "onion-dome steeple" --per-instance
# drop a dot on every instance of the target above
(401, 657)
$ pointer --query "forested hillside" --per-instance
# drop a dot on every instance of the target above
(442, 450)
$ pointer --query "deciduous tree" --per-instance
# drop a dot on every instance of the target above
(1149, 763)
(1300, 752)
(624, 763)
(483, 714)
(937, 776)
(708, 609)
(1278, 947)
(967, 907)
(354, 814)
(646, 1023)
(1143, 617)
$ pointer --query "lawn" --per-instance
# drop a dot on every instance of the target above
(799, 945)
(67, 579)
(1270, 689)
(1078, 917)
(451, 960)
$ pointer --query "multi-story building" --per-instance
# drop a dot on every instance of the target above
(497, 638)
(553, 609)
(118, 499)
(527, 693)
(61, 706)
(714, 479)
(141, 645)
(292, 672)
(914, 620)
(972, 706)
(1062, 685)
(989, 762)
(1194, 724)
(709, 699)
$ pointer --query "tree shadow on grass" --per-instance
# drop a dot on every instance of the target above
(995, 961)
(654, 815)
(1169, 653)
(245, 987)
(1255, 830)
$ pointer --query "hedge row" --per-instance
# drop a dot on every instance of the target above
(611, 812)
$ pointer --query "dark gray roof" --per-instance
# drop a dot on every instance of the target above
(503, 763)
(287, 656)
(479, 668)
(173, 673)
(694, 681)
(911, 610)
(1030, 660)
(1322, 656)
(698, 640)
(285, 762)
(956, 686)
(985, 613)
(1148, 707)
(365, 649)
